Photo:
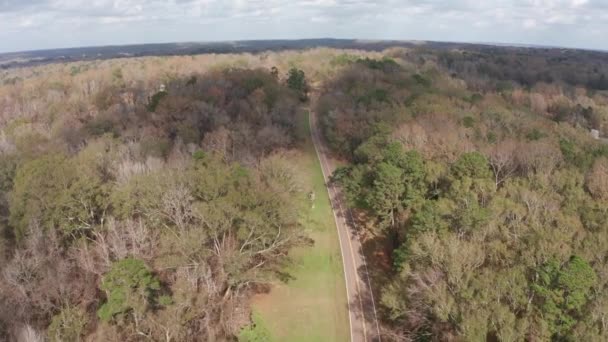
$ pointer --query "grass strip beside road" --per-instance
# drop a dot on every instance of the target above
(313, 305)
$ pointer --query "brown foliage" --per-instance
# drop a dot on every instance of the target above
(597, 179)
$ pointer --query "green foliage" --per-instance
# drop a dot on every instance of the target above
(12, 80)
(593, 216)
(580, 155)
(465, 242)
(101, 126)
(471, 216)
(272, 94)
(472, 165)
(476, 98)
(188, 133)
(386, 64)
(74, 70)
(199, 155)
(253, 82)
(569, 150)
(296, 80)
(371, 151)
(165, 300)
(155, 100)
(427, 219)
(562, 292)
(8, 166)
(256, 332)
(343, 59)
(467, 246)
(535, 135)
(414, 172)
(374, 96)
(117, 75)
(386, 179)
(386, 191)
(68, 325)
(421, 80)
(72, 197)
(491, 137)
(600, 151)
(504, 86)
(351, 179)
(58, 193)
(129, 286)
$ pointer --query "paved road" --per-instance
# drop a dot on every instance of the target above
(361, 306)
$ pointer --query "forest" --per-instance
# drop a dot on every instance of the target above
(148, 199)
(140, 213)
(488, 198)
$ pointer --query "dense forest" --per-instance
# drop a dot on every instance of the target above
(137, 212)
(149, 199)
(491, 198)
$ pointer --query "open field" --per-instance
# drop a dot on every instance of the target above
(312, 306)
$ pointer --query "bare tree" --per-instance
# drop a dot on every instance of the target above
(219, 142)
(502, 159)
(28, 334)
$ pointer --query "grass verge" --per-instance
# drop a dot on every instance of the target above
(313, 305)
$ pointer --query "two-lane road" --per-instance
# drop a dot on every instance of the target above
(361, 305)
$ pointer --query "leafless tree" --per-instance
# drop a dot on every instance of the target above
(502, 159)
(28, 334)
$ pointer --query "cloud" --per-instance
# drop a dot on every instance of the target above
(29, 24)
(19, 5)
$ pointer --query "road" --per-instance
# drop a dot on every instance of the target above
(361, 305)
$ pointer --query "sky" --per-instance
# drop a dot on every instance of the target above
(44, 24)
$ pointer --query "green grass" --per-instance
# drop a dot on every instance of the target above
(257, 332)
(312, 306)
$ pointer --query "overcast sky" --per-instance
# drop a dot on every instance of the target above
(42, 24)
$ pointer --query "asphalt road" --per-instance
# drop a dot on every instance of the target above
(361, 305)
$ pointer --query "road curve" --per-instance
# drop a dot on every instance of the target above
(361, 305)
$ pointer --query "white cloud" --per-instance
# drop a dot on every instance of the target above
(530, 23)
(27, 24)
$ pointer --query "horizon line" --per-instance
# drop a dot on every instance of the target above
(362, 40)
